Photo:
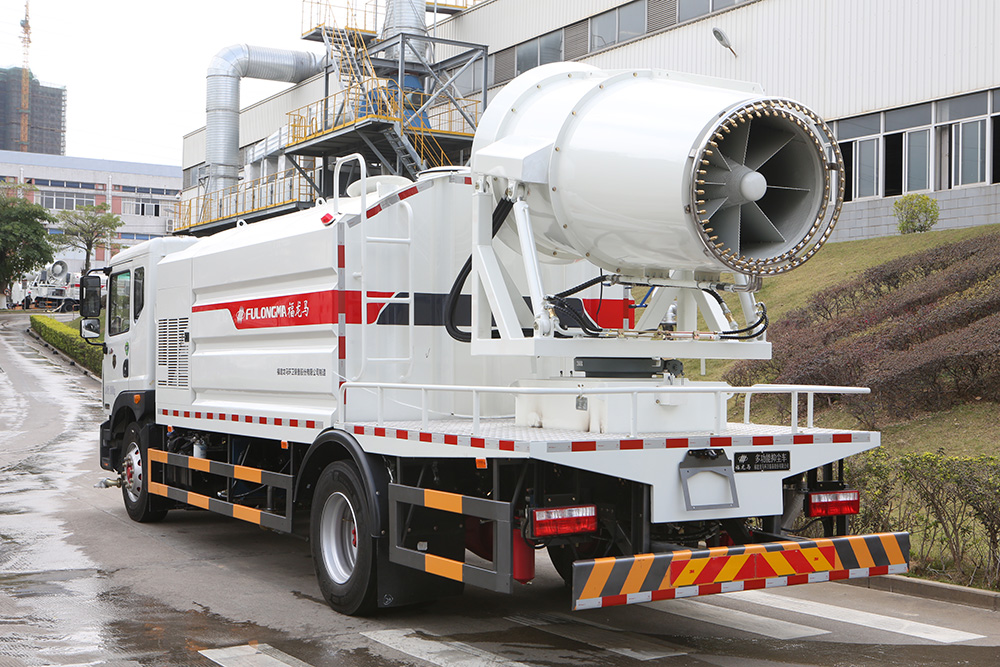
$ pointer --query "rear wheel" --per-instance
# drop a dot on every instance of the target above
(135, 480)
(342, 547)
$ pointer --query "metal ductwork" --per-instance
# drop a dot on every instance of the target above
(406, 16)
(222, 100)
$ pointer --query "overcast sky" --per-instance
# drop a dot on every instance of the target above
(134, 70)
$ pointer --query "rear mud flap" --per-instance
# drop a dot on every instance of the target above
(606, 582)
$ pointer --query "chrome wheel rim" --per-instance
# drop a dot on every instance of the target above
(339, 538)
(132, 473)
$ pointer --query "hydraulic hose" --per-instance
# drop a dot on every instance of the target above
(500, 214)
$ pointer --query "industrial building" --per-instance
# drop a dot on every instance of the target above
(46, 115)
(143, 195)
(912, 100)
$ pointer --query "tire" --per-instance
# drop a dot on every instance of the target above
(135, 491)
(343, 550)
(562, 557)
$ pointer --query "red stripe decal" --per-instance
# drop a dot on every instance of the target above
(379, 431)
(165, 413)
(878, 570)
(294, 423)
(374, 210)
(763, 440)
(359, 430)
(797, 579)
(665, 594)
(583, 446)
(614, 600)
(841, 437)
(408, 192)
(402, 435)
(451, 439)
(506, 445)
(802, 439)
(720, 442)
(342, 347)
(310, 424)
(426, 437)
(676, 442)
(837, 575)
(210, 415)
(176, 414)
(341, 257)
(248, 419)
(197, 415)
(261, 420)
(187, 415)
(277, 421)
(709, 589)
(631, 444)
(478, 442)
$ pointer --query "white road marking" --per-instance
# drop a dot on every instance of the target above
(600, 636)
(441, 652)
(251, 655)
(734, 618)
(855, 617)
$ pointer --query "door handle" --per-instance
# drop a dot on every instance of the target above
(125, 368)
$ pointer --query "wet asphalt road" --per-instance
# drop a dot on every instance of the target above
(80, 584)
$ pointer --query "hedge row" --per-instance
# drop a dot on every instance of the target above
(919, 330)
(949, 504)
(68, 340)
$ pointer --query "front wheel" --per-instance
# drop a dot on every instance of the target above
(135, 478)
(342, 547)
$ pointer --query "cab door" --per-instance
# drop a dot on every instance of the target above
(118, 333)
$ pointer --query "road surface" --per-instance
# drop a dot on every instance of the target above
(80, 584)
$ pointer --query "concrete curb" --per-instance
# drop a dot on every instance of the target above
(932, 590)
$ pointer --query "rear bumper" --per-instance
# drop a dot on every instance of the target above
(606, 582)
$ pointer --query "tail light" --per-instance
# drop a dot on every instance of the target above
(551, 521)
(832, 503)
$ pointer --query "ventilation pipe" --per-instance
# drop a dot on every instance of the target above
(222, 100)
(406, 16)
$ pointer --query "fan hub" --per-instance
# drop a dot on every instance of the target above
(753, 185)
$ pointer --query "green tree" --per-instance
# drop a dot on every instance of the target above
(915, 213)
(24, 242)
(85, 228)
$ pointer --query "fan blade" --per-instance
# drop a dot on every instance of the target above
(726, 225)
(764, 143)
(757, 227)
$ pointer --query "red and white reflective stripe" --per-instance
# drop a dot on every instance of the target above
(731, 586)
(439, 438)
(704, 442)
(697, 442)
(242, 418)
(392, 199)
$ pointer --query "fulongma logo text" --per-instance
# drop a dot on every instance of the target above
(291, 310)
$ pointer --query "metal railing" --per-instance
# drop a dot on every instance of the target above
(362, 15)
(721, 395)
(374, 98)
(246, 197)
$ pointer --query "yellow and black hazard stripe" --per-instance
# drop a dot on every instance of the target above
(604, 582)
(237, 472)
(401, 496)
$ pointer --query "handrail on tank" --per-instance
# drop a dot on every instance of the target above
(336, 181)
(795, 390)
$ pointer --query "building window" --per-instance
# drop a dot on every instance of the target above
(625, 22)
(860, 155)
(970, 152)
(66, 201)
(692, 9)
(540, 51)
(141, 207)
(906, 163)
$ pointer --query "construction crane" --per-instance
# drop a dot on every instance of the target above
(25, 79)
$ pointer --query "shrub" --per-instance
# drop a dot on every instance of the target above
(915, 213)
(68, 340)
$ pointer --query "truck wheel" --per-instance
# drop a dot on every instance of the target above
(562, 557)
(342, 547)
(135, 480)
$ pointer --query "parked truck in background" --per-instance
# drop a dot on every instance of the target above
(435, 380)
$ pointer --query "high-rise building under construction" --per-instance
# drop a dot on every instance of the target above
(46, 115)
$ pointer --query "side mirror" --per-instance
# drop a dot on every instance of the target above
(90, 297)
(90, 328)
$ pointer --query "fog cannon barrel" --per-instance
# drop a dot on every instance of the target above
(643, 171)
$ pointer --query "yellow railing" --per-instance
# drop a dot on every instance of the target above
(361, 15)
(375, 99)
(247, 197)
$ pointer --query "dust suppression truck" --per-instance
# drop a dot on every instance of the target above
(433, 380)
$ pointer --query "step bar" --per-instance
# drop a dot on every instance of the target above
(607, 582)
